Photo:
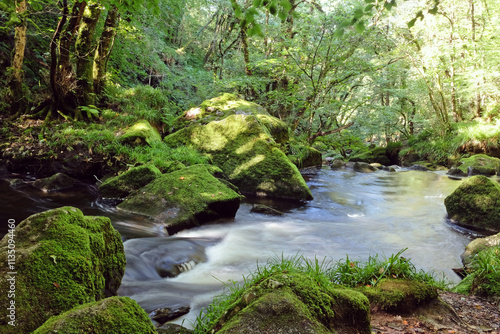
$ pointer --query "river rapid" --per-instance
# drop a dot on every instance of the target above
(353, 214)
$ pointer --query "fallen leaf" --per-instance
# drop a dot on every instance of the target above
(55, 284)
(181, 178)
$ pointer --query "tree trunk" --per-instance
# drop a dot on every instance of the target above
(104, 49)
(16, 76)
(85, 48)
(246, 54)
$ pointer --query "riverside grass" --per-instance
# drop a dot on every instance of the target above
(326, 273)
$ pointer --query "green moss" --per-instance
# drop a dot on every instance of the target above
(482, 163)
(111, 315)
(376, 154)
(141, 133)
(399, 295)
(133, 179)
(476, 204)
(248, 155)
(63, 259)
(184, 198)
(305, 156)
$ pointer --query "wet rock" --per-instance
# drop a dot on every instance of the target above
(265, 210)
(162, 315)
(372, 155)
(363, 167)
(111, 315)
(418, 167)
(474, 204)
(185, 198)
(55, 182)
(63, 259)
(122, 185)
(454, 171)
(479, 164)
(169, 328)
(337, 164)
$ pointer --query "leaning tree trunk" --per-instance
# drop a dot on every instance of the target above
(104, 49)
(16, 76)
(84, 49)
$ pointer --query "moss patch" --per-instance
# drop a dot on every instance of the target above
(185, 198)
(247, 154)
(376, 154)
(133, 179)
(399, 295)
(476, 204)
(63, 259)
(306, 156)
(480, 164)
(111, 315)
(141, 133)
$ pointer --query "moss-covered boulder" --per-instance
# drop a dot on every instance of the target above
(141, 133)
(135, 178)
(479, 164)
(62, 259)
(296, 303)
(306, 157)
(476, 204)
(399, 295)
(478, 245)
(56, 182)
(374, 154)
(110, 315)
(185, 198)
(248, 155)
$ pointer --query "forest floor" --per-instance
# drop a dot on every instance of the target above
(453, 313)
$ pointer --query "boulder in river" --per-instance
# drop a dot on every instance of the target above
(296, 303)
(184, 198)
(373, 154)
(479, 164)
(56, 182)
(475, 204)
(110, 315)
(122, 185)
(62, 259)
(241, 139)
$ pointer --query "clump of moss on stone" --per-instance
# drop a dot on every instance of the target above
(479, 164)
(374, 154)
(122, 185)
(141, 133)
(399, 295)
(63, 259)
(248, 155)
(185, 198)
(111, 315)
(476, 204)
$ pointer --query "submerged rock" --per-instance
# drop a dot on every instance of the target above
(265, 210)
(141, 133)
(55, 182)
(122, 185)
(63, 259)
(244, 145)
(185, 198)
(476, 204)
(111, 315)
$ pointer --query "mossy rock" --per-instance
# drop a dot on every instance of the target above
(399, 295)
(63, 259)
(479, 164)
(376, 154)
(296, 303)
(364, 167)
(110, 315)
(122, 185)
(478, 245)
(141, 133)
(184, 198)
(55, 182)
(476, 204)
(248, 155)
(306, 157)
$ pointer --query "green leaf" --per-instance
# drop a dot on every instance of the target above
(283, 15)
(369, 1)
(360, 27)
(433, 10)
(255, 30)
(420, 15)
(369, 8)
(358, 13)
(412, 23)
(339, 32)
(286, 5)
(257, 3)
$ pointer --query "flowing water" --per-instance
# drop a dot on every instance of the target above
(352, 213)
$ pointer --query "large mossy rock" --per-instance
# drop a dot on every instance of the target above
(296, 303)
(399, 295)
(185, 198)
(375, 154)
(476, 204)
(135, 178)
(305, 157)
(245, 150)
(110, 315)
(141, 133)
(62, 259)
(479, 164)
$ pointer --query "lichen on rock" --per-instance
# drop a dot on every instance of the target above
(110, 315)
(476, 204)
(63, 259)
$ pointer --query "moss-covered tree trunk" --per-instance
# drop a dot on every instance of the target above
(84, 50)
(104, 49)
(16, 75)
(246, 53)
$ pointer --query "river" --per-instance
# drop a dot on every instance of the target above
(352, 214)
